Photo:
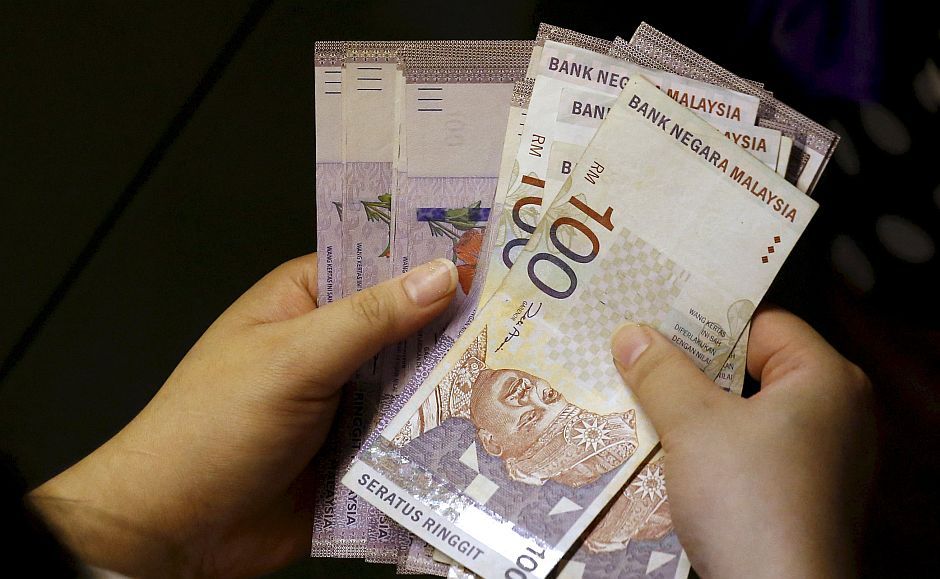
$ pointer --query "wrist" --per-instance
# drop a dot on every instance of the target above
(101, 525)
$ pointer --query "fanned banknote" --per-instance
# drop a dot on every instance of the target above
(456, 102)
(518, 202)
(664, 222)
(399, 404)
(328, 119)
(328, 122)
(371, 81)
(452, 109)
(813, 144)
(573, 89)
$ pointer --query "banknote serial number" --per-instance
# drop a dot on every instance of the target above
(525, 564)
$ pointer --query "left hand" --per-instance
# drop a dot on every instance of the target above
(206, 480)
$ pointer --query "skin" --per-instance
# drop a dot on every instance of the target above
(208, 479)
(770, 486)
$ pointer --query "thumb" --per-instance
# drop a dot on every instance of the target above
(667, 384)
(338, 338)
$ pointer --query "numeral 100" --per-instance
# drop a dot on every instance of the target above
(562, 265)
(524, 564)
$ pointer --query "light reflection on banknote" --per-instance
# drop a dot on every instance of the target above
(523, 432)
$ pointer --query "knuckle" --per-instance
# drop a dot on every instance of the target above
(372, 307)
(858, 380)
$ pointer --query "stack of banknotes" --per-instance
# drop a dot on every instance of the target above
(577, 184)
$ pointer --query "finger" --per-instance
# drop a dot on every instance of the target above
(667, 384)
(288, 291)
(338, 338)
(781, 345)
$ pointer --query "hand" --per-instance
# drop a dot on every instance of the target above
(206, 480)
(771, 486)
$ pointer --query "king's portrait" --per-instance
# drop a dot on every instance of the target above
(521, 419)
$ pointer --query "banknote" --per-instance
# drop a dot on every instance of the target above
(328, 87)
(783, 158)
(328, 122)
(582, 107)
(452, 110)
(371, 79)
(501, 220)
(418, 559)
(523, 432)
(570, 97)
(515, 222)
(383, 535)
(454, 122)
(578, 127)
(508, 171)
(418, 556)
(581, 110)
(813, 144)
(634, 537)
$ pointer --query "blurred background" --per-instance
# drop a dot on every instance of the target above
(157, 158)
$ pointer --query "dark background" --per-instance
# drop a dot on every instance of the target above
(158, 158)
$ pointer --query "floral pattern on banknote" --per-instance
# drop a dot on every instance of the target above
(379, 211)
(464, 226)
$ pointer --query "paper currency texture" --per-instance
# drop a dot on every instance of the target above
(524, 431)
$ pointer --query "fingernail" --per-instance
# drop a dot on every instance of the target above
(629, 341)
(430, 282)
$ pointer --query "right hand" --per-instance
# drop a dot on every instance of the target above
(771, 486)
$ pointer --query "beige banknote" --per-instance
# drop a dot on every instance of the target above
(813, 144)
(570, 97)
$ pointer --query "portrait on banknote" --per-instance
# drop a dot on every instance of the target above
(521, 419)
